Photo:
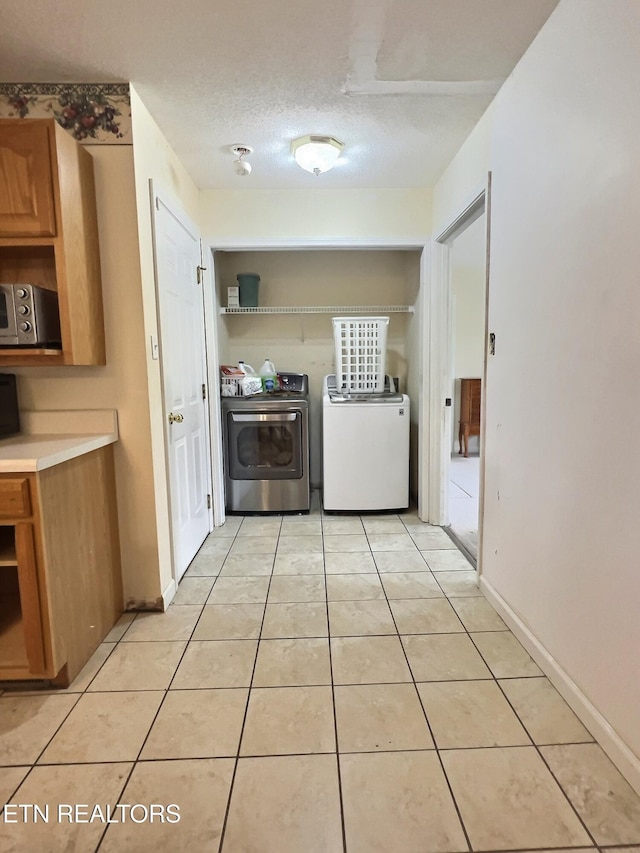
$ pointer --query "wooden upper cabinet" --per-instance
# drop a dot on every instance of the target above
(27, 206)
(49, 235)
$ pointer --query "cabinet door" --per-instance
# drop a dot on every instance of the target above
(29, 597)
(27, 206)
(21, 637)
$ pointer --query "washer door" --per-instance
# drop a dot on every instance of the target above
(264, 445)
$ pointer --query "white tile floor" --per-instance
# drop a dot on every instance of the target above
(320, 683)
(464, 491)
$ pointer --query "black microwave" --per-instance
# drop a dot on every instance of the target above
(9, 414)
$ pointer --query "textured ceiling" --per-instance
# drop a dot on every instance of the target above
(400, 82)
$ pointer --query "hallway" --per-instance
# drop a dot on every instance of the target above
(290, 635)
(464, 492)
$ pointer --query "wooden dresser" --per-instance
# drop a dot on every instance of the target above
(470, 398)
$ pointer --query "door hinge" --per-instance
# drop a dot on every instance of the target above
(208, 501)
(204, 391)
(199, 271)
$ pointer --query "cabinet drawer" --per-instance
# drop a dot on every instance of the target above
(15, 501)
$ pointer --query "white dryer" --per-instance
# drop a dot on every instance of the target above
(365, 450)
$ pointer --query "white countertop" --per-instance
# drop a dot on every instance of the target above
(37, 452)
(48, 438)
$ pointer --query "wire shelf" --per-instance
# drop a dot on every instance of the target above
(323, 309)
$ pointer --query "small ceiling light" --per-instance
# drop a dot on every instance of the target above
(240, 166)
(316, 153)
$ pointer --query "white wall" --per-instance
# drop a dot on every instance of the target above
(562, 474)
(329, 217)
(155, 160)
(466, 176)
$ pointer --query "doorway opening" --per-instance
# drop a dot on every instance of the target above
(468, 302)
(443, 317)
(302, 287)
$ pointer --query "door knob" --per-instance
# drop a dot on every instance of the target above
(175, 419)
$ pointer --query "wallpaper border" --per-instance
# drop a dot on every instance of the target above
(93, 113)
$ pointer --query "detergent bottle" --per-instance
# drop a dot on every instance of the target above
(269, 376)
(249, 383)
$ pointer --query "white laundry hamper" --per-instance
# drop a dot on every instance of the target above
(360, 353)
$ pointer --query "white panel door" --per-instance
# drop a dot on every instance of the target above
(183, 359)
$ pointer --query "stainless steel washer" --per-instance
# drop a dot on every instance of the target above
(266, 449)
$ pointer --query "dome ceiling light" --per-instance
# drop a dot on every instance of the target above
(316, 154)
(241, 167)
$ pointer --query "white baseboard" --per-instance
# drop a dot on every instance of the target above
(168, 594)
(624, 759)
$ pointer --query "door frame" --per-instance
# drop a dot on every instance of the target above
(211, 314)
(213, 244)
(439, 322)
(176, 210)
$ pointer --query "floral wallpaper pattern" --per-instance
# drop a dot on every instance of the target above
(93, 113)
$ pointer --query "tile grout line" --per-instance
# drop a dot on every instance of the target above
(126, 781)
(533, 744)
(333, 696)
(321, 752)
(166, 693)
(231, 755)
(225, 821)
(35, 764)
(413, 681)
(32, 765)
(491, 677)
(135, 761)
(547, 765)
(435, 742)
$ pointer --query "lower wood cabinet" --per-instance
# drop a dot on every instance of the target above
(60, 574)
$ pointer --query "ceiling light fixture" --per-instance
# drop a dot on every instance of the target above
(316, 153)
(240, 166)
